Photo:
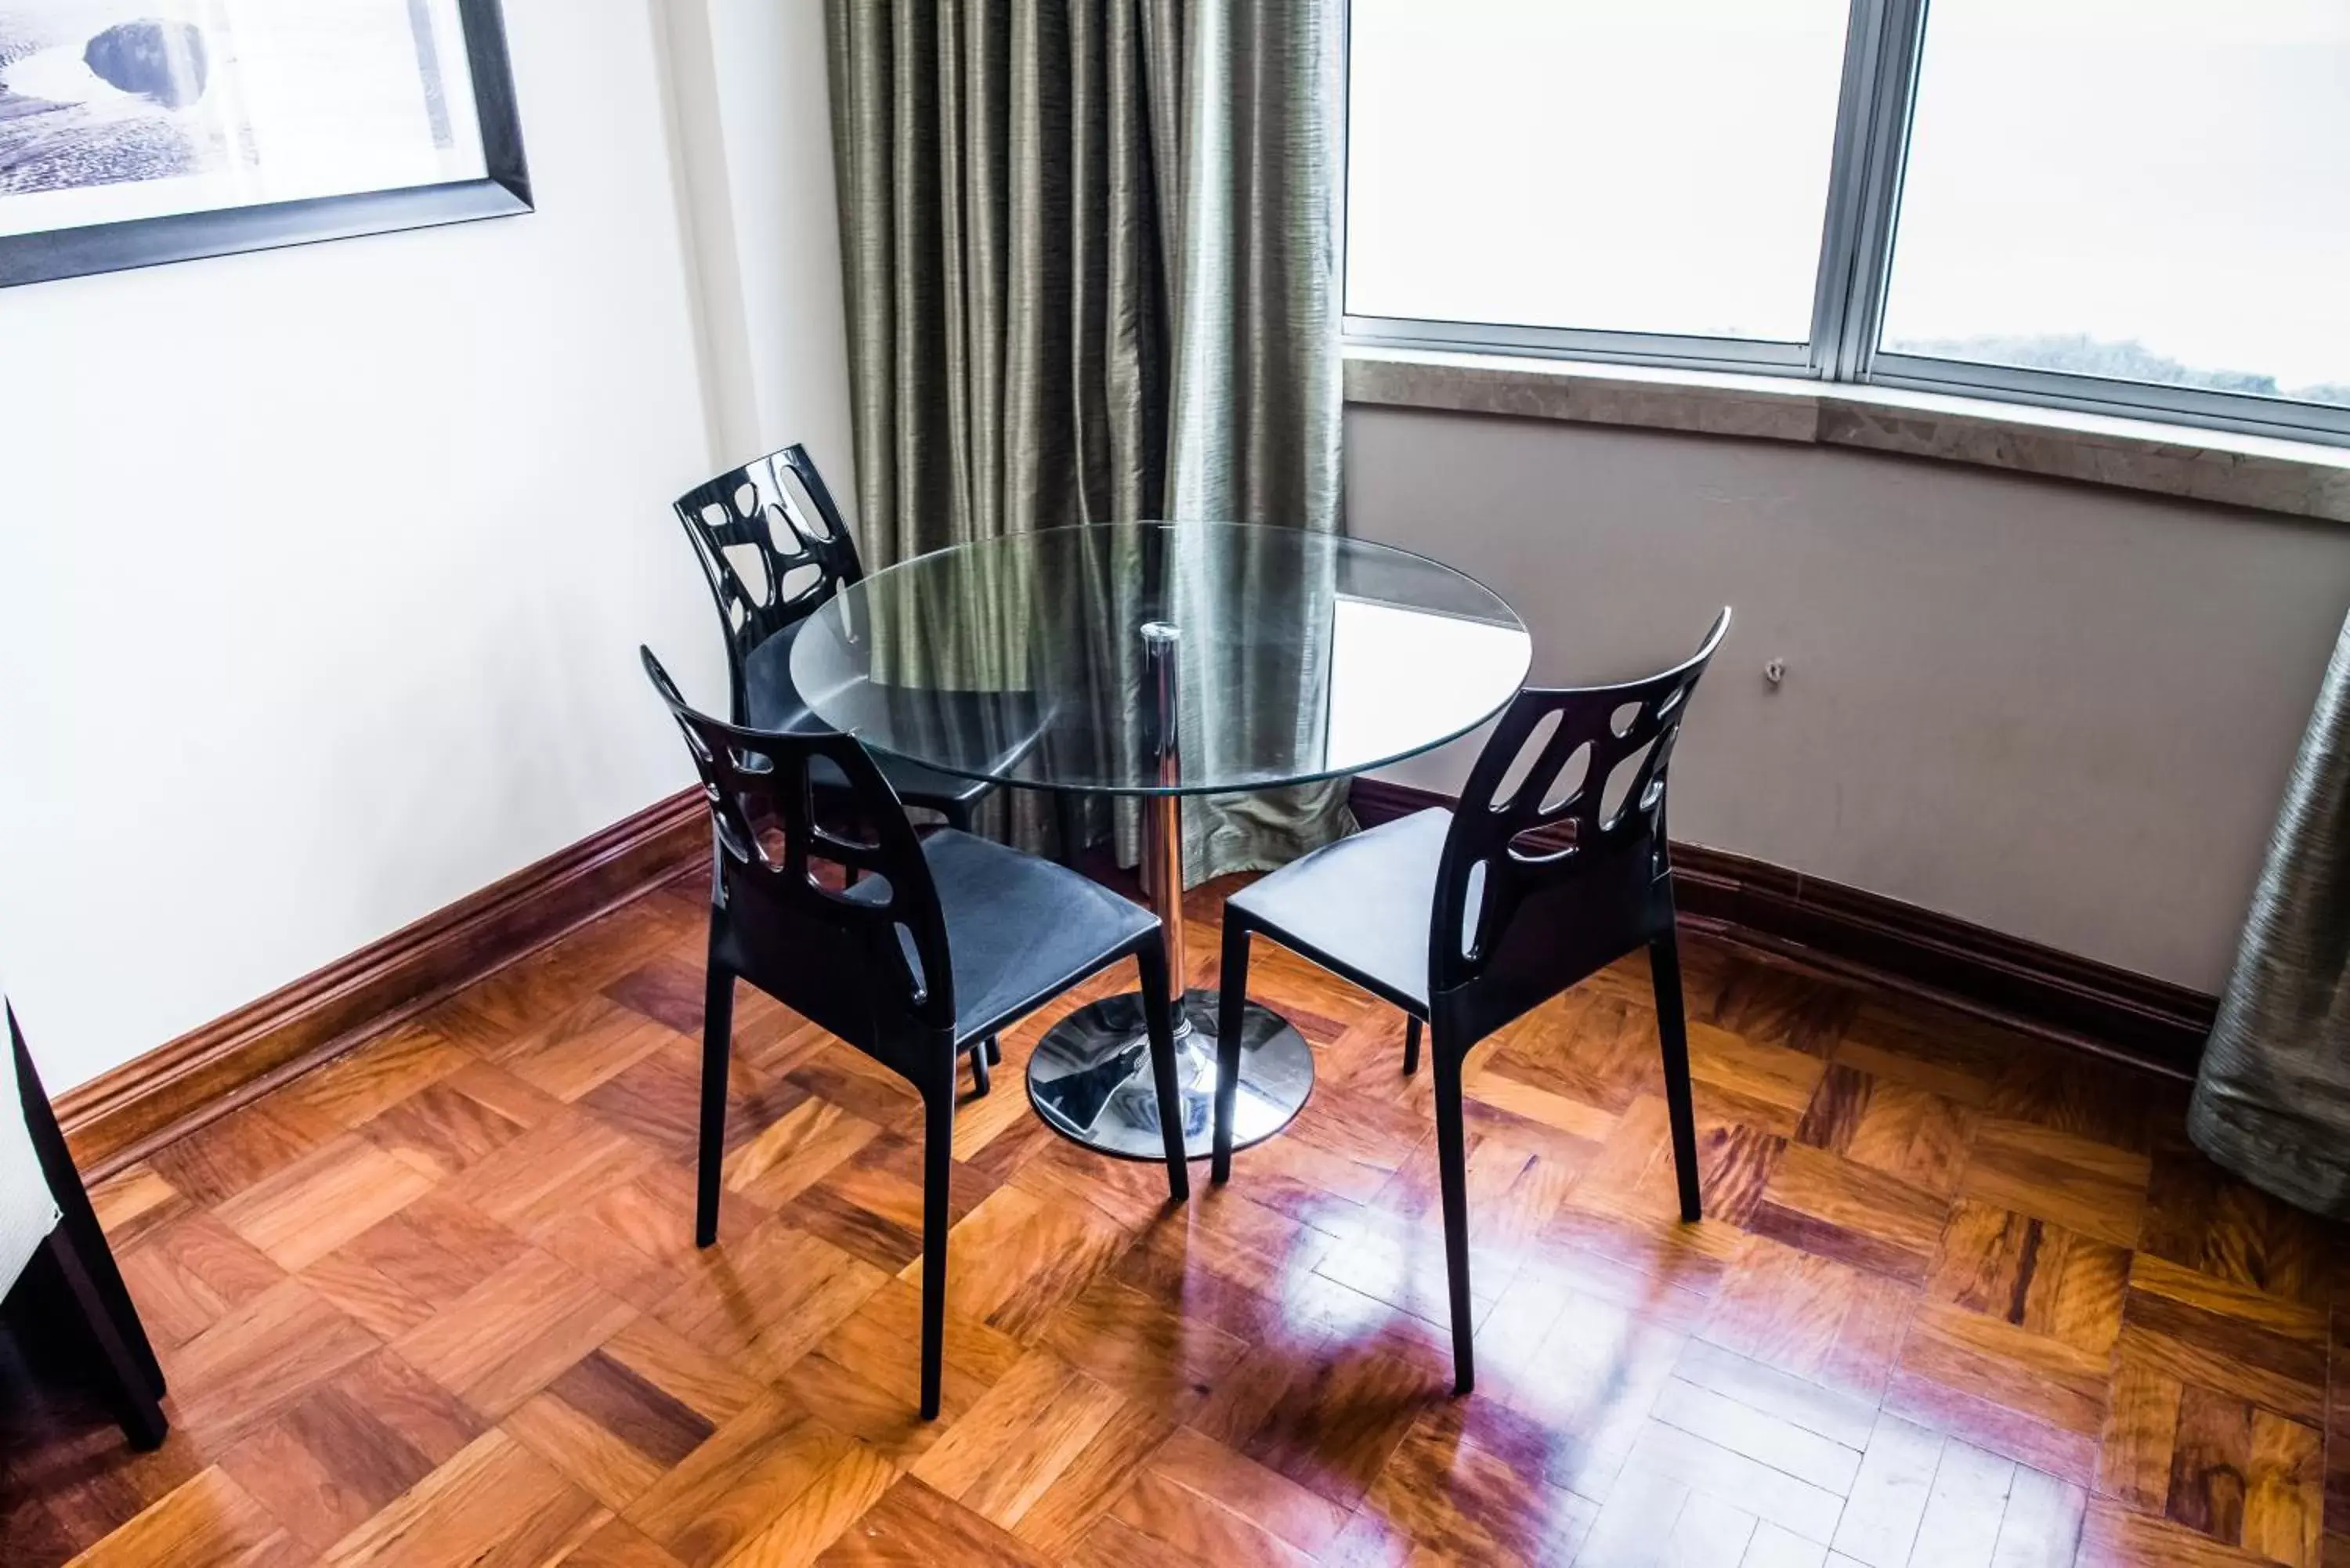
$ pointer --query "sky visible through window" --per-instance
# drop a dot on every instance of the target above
(2152, 189)
(1634, 167)
(2090, 176)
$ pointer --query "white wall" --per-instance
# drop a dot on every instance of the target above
(755, 128)
(2056, 711)
(322, 571)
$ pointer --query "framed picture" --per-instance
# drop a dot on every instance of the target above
(139, 131)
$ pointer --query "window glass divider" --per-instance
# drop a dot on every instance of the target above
(1873, 118)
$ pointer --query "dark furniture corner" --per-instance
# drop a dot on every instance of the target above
(73, 1275)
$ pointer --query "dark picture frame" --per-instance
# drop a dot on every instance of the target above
(502, 190)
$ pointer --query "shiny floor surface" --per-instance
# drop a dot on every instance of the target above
(1959, 1298)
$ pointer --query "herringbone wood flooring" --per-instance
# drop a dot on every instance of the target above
(1959, 1298)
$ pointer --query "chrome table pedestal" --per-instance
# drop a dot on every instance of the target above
(1090, 1077)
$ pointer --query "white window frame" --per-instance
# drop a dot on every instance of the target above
(1875, 106)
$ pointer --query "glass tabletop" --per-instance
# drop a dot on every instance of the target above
(1296, 656)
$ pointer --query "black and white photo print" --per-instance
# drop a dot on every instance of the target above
(134, 131)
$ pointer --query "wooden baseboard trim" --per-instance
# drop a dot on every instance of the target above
(121, 1116)
(1897, 946)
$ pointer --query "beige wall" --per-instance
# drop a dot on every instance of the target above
(2057, 711)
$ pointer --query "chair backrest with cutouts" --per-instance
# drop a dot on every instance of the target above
(773, 545)
(1557, 861)
(857, 960)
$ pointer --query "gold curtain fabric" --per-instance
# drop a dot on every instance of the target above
(2272, 1097)
(1089, 252)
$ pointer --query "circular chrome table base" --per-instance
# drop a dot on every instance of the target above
(1090, 1078)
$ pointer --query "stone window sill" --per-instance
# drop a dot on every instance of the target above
(2297, 479)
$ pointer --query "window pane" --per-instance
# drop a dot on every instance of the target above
(2149, 190)
(1637, 165)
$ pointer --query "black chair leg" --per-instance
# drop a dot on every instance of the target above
(980, 1055)
(1069, 819)
(1159, 1011)
(1672, 1032)
(1231, 983)
(127, 1380)
(995, 1052)
(1410, 1045)
(717, 1044)
(938, 1163)
(1452, 1166)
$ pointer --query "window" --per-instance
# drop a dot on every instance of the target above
(1616, 167)
(2147, 190)
(2125, 205)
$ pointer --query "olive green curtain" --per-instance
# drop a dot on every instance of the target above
(2272, 1097)
(1089, 254)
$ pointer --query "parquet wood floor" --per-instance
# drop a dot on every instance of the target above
(1959, 1299)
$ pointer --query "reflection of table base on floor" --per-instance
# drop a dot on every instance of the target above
(1090, 1079)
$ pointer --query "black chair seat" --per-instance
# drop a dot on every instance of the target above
(1360, 905)
(915, 784)
(773, 703)
(1019, 929)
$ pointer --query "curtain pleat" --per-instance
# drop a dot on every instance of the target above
(1088, 253)
(1256, 394)
(2273, 1096)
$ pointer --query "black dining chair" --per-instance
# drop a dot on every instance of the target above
(56, 1270)
(1555, 866)
(943, 941)
(773, 545)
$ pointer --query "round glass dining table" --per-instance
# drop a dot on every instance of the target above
(1159, 660)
